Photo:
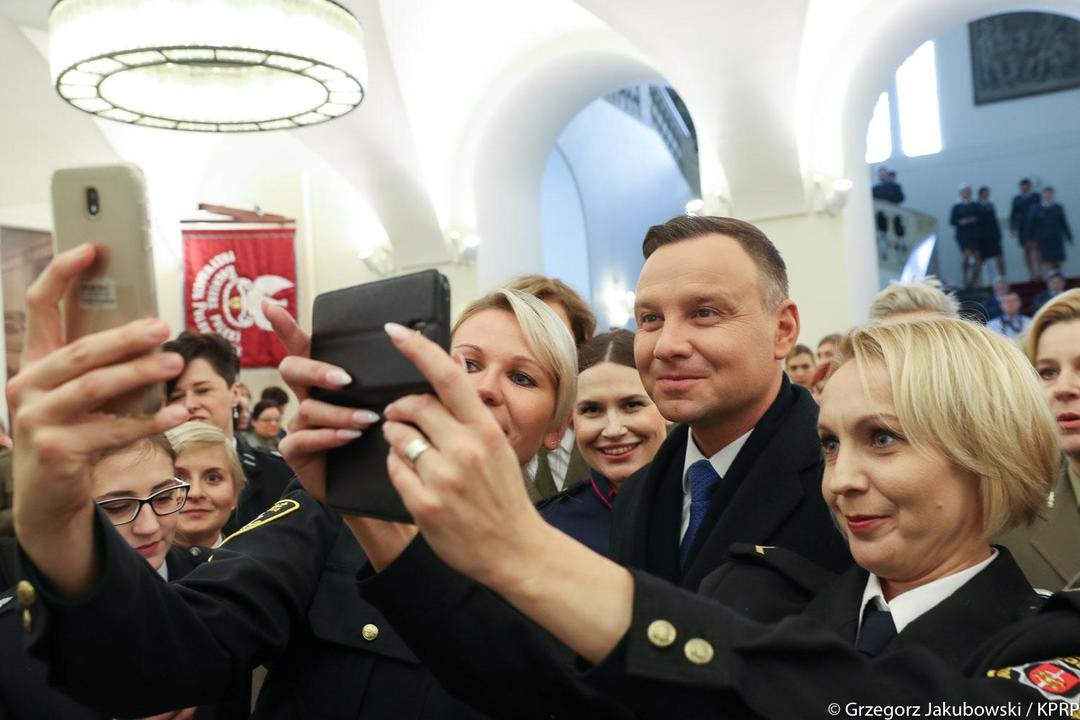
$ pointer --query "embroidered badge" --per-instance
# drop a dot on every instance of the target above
(275, 512)
(1055, 679)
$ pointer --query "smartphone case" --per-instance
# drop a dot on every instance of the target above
(120, 286)
(347, 331)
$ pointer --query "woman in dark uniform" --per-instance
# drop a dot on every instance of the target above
(918, 480)
(281, 592)
(1046, 225)
(618, 431)
(121, 480)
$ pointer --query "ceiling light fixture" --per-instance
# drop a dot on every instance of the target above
(208, 65)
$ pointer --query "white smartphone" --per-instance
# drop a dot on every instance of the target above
(106, 206)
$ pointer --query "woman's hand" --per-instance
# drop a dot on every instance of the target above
(317, 426)
(58, 426)
(320, 426)
(467, 497)
(465, 492)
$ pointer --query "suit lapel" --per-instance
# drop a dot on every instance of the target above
(991, 600)
(648, 512)
(768, 492)
(839, 604)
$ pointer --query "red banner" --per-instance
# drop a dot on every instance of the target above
(227, 275)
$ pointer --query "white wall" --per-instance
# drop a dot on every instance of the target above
(995, 145)
(566, 242)
(627, 181)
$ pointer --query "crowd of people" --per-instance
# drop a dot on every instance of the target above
(662, 523)
(1036, 220)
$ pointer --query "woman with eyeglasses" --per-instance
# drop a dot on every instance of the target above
(136, 489)
(281, 591)
(265, 424)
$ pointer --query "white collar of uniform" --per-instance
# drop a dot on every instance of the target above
(163, 571)
(721, 461)
(907, 607)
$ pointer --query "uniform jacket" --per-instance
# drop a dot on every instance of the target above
(965, 218)
(988, 644)
(280, 592)
(1021, 204)
(989, 230)
(516, 669)
(24, 689)
(267, 476)
(775, 486)
(1047, 226)
(583, 511)
(1048, 550)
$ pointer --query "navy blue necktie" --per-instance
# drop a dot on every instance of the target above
(877, 631)
(702, 479)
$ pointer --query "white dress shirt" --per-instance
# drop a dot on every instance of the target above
(907, 607)
(721, 462)
(558, 460)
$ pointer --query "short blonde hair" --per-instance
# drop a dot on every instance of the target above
(546, 335)
(925, 296)
(197, 434)
(960, 390)
(1063, 308)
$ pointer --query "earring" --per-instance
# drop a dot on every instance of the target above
(235, 412)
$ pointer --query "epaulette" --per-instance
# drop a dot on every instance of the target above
(1065, 599)
(567, 492)
(805, 573)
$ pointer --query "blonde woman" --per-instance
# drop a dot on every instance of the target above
(206, 460)
(918, 480)
(1048, 549)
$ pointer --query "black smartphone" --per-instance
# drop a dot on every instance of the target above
(347, 331)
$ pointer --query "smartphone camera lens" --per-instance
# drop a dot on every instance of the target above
(93, 205)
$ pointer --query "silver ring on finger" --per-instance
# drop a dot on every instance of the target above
(415, 448)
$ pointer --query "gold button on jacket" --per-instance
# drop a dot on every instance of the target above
(698, 651)
(661, 633)
(26, 594)
(370, 632)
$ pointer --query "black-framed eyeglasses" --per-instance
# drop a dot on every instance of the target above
(169, 500)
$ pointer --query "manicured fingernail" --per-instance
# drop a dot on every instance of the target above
(364, 417)
(397, 332)
(338, 377)
(387, 410)
(348, 434)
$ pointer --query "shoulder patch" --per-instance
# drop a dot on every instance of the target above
(1055, 679)
(275, 512)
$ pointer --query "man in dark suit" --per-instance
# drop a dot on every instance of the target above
(1021, 205)
(744, 466)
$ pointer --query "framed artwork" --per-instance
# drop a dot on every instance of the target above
(23, 255)
(1015, 55)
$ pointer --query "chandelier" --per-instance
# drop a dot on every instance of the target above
(208, 65)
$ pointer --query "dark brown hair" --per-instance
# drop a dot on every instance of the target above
(212, 348)
(616, 347)
(274, 394)
(771, 268)
(262, 406)
(582, 319)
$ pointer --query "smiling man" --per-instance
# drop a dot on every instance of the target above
(744, 465)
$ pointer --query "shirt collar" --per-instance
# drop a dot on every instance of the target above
(163, 571)
(908, 606)
(1074, 480)
(721, 461)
